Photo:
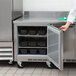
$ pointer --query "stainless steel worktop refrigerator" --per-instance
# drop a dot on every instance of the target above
(9, 11)
(38, 42)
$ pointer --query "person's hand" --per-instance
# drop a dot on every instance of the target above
(64, 27)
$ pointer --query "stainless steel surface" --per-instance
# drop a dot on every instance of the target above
(69, 42)
(75, 40)
(6, 44)
(24, 20)
(32, 58)
(44, 17)
(55, 46)
(9, 10)
(5, 20)
(69, 50)
(17, 10)
(46, 14)
(6, 9)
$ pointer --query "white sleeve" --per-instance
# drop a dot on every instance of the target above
(72, 13)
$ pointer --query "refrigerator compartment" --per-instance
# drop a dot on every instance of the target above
(42, 30)
(23, 51)
(22, 30)
(42, 51)
(33, 51)
(32, 31)
(42, 42)
(23, 42)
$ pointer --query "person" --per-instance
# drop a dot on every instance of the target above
(71, 18)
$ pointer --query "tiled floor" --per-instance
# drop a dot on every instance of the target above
(35, 69)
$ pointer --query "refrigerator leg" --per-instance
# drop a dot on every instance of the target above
(48, 64)
(10, 62)
(19, 63)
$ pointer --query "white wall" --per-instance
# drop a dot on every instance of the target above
(47, 5)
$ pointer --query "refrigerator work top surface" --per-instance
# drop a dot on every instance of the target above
(46, 17)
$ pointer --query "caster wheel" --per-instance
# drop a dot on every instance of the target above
(10, 62)
(19, 64)
(53, 66)
(48, 65)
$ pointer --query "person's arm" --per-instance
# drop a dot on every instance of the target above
(71, 18)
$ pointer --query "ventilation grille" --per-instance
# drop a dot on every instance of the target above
(6, 54)
(69, 60)
(37, 60)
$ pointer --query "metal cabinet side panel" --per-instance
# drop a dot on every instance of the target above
(5, 20)
(15, 43)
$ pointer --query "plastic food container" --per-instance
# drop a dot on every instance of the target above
(23, 51)
(23, 32)
(42, 51)
(33, 51)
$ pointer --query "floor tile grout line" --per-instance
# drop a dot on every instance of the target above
(50, 72)
(6, 72)
(59, 72)
(42, 71)
(68, 72)
(34, 70)
(15, 72)
(13, 69)
(23, 73)
(27, 68)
